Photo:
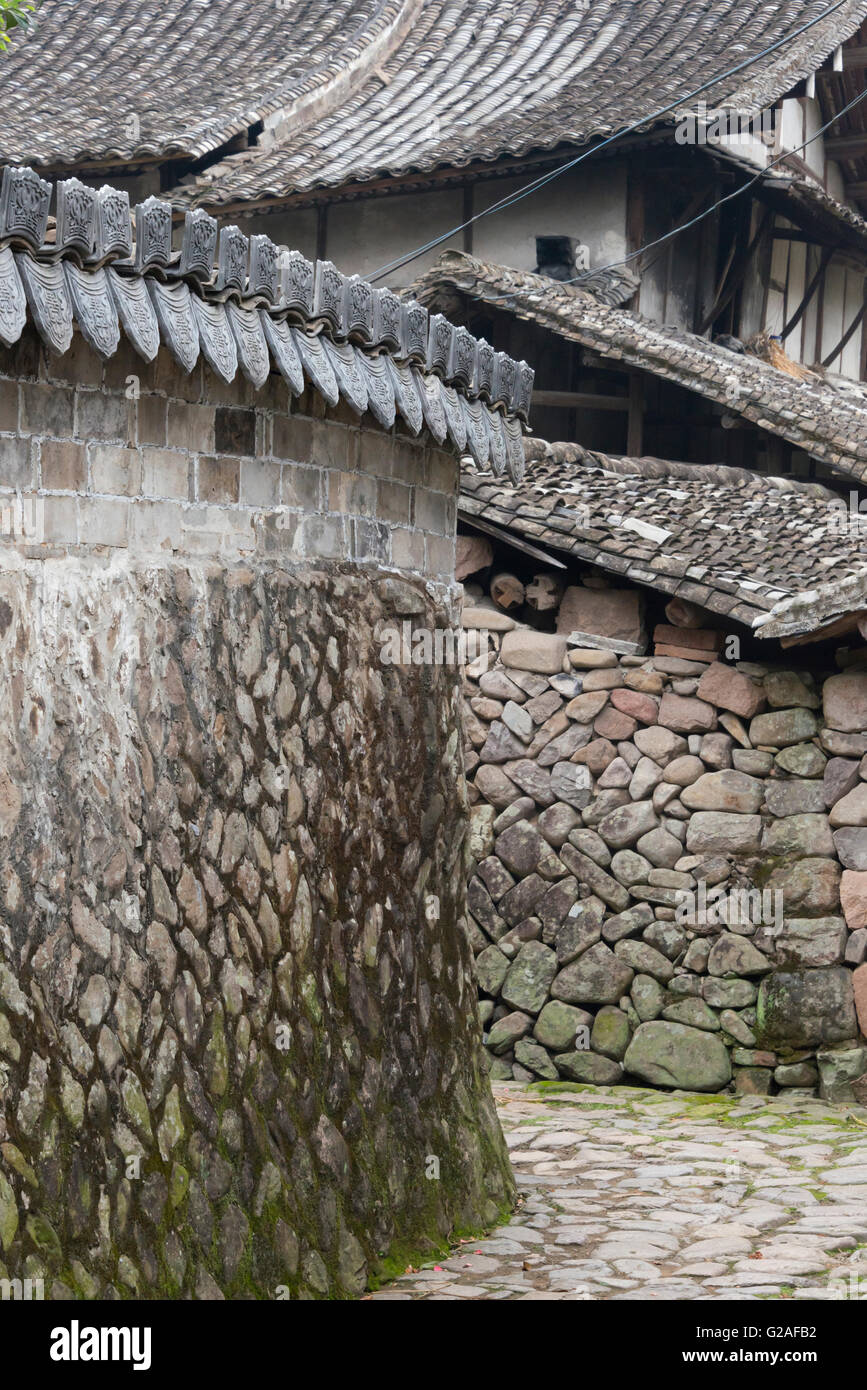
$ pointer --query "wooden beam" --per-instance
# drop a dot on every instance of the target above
(580, 400)
(856, 190)
(467, 218)
(500, 533)
(855, 57)
(397, 183)
(845, 146)
(635, 218)
(322, 232)
(788, 234)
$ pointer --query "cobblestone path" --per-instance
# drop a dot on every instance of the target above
(634, 1194)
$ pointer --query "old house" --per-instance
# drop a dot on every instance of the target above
(490, 129)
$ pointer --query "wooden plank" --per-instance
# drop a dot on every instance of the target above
(702, 638)
(580, 400)
(609, 644)
(838, 628)
(500, 533)
(683, 653)
(850, 331)
(808, 293)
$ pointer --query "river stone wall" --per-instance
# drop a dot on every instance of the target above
(618, 801)
(238, 1053)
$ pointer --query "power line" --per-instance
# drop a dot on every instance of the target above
(540, 182)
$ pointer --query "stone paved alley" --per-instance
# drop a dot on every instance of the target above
(636, 1194)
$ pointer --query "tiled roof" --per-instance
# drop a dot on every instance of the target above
(119, 79)
(800, 196)
(739, 544)
(388, 87)
(826, 419)
(259, 306)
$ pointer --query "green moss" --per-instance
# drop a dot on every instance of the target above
(405, 1254)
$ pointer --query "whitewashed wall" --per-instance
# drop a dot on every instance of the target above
(364, 235)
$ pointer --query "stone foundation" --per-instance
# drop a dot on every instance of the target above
(235, 1022)
(238, 1050)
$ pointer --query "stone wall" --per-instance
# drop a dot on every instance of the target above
(238, 1054)
(618, 803)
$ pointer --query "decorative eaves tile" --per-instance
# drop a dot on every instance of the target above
(235, 321)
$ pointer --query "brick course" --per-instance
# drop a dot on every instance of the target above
(129, 453)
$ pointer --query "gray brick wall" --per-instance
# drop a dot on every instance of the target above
(138, 455)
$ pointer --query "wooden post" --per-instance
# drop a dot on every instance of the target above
(321, 231)
(468, 213)
(635, 422)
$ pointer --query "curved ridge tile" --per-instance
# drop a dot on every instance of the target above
(430, 395)
(351, 379)
(456, 421)
(13, 303)
(498, 449)
(136, 312)
(317, 365)
(246, 325)
(284, 351)
(478, 438)
(515, 447)
(216, 338)
(177, 325)
(93, 307)
(49, 302)
(406, 396)
(380, 389)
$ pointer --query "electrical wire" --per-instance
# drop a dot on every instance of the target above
(544, 179)
(675, 231)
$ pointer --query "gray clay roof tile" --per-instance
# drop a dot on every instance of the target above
(769, 546)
